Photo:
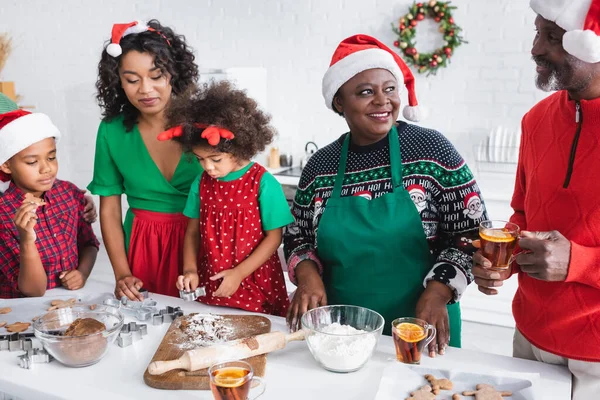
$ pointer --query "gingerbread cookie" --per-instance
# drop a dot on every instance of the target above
(456, 396)
(18, 327)
(438, 384)
(487, 392)
(29, 198)
(5, 310)
(2, 323)
(424, 393)
(56, 304)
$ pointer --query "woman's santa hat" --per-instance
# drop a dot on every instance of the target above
(119, 31)
(359, 53)
(581, 21)
(20, 129)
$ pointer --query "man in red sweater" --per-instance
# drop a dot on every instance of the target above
(556, 200)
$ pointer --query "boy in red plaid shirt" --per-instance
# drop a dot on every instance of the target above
(44, 238)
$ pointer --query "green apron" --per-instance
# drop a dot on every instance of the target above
(374, 252)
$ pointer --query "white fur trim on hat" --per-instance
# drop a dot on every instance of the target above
(585, 45)
(355, 63)
(412, 113)
(23, 132)
(568, 14)
(114, 49)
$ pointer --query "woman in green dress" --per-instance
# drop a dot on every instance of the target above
(140, 70)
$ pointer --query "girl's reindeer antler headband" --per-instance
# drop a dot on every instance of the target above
(211, 133)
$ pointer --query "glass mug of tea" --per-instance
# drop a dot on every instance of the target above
(411, 336)
(232, 380)
(498, 241)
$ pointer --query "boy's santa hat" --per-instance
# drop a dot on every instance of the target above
(359, 53)
(581, 20)
(119, 31)
(20, 129)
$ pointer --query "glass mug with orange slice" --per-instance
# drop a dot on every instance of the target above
(232, 380)
(411, 335)
(498, 241)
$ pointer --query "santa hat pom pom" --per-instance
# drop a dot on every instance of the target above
(114, 49)
(412, 113)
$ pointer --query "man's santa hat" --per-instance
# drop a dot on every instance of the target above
(581, 20)
(20, 129)
(359, 53)
(119, 31)
(416, 189)
(470, 198)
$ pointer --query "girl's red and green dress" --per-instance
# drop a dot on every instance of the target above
(234, 213)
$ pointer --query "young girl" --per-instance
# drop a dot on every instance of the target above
(139, 71)
(236, 208)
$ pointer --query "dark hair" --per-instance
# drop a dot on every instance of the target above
(221, 104)
(173, 57)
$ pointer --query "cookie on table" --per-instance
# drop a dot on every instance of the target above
(487, 392)
(18, 327)
(423, 393)
(438, 384)
(56, 304)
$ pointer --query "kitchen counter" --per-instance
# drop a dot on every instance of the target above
(292, 373)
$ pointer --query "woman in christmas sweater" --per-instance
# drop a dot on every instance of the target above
(384, 214)
(237, 209)
(139, 71)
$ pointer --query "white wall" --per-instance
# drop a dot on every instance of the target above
(58, 44)
(489, 83)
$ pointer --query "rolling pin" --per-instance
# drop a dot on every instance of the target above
(196, 359)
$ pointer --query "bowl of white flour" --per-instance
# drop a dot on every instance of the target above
(342, 338)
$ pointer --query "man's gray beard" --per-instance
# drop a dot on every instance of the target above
(554, 83)
(551, 85)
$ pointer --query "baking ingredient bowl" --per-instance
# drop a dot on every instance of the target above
(342, 338)
(83, 350)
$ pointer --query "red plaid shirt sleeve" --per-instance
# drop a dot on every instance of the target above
(85, 233)
(9, 256)
(61, 233)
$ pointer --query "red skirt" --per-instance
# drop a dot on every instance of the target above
(156, 250)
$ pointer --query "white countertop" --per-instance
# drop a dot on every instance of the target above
(291, 373)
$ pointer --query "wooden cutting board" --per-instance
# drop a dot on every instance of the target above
(174, 344)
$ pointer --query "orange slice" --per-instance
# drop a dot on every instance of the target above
(410, 332)
(496, 235)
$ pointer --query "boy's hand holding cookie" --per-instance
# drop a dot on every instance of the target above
(189, 281)
(25, 220)
(230, 284)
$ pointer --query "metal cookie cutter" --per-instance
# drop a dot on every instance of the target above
(144, 292)
(34, 356)
(167, 314)
(138, 309)
(4, 342)
(130, 333)
(192, 296)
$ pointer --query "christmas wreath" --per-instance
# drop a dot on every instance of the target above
(441, 12)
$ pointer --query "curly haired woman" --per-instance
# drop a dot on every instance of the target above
(140, 71)
(237, 209)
